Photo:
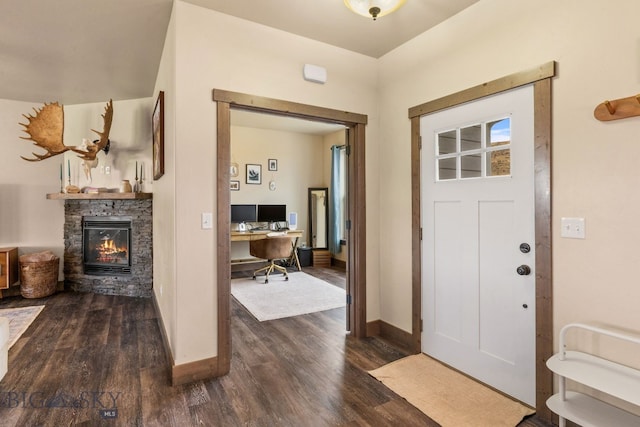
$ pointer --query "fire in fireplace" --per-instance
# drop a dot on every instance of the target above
(107, 245)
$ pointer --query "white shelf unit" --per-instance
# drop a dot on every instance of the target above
(596, 373)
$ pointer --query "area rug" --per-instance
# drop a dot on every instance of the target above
(449, 397)
(19, 320)
(301, 294)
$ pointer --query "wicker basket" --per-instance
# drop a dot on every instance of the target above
(38, 279)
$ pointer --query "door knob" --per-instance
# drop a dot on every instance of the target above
(523, 270)
(525, 248)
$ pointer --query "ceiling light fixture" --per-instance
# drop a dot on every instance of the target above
(374, 8)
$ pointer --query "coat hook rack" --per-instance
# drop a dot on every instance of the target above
(618, 109)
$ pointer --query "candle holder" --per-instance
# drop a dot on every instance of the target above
(140, 181)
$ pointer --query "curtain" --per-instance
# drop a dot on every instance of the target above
(334, 205)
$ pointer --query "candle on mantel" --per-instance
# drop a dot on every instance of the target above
(136, 170)
(60, 171)
(69, 168)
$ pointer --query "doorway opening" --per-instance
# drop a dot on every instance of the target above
(295, 160)
(356, 274)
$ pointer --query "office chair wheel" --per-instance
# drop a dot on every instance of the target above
(254, 277)
(266, 280)
(286, 278)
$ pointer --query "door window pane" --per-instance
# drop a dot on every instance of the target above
(471, 166)
(471, 138)
(447, 168)
(499, 163)
(499, 132)
(447, 142)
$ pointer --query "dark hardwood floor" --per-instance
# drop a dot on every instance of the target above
(87, 354)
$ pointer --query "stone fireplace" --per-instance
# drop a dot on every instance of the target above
(108, 246)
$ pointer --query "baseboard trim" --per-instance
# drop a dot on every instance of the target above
(338, 263)
(187, 372)
(393, 334)
(204, 369)
(163, 333)
(373, 328)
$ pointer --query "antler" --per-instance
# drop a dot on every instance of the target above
(93, 149)
(46, 130)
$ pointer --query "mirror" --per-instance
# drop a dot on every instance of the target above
(318, 217)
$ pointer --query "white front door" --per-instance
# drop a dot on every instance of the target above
(478, 246)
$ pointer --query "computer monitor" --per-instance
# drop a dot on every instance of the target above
(243, 213)
(272, 213)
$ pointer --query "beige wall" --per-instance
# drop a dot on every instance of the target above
(595, 173)
(165, 284)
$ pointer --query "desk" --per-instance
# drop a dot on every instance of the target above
(246, 236)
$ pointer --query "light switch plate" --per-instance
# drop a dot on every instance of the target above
(207, 220)
(572, 228)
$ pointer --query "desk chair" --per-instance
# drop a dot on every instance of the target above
(271, 249)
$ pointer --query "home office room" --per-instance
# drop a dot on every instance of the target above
(276, 161)
(280, 176)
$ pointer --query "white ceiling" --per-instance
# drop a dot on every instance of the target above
(83, 51)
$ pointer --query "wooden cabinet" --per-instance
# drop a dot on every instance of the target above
(8, 267)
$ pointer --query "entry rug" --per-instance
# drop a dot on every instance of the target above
(301, 294)
(19, 320)
(449, 397)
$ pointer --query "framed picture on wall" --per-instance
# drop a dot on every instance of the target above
(273, 164)
(157, 127)
(234, 185)
(254, 174)
(234, 170)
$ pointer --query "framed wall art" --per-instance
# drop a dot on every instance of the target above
(254, 174)
(273, 164)
(157, 126)
(234, 185)
(234, 170)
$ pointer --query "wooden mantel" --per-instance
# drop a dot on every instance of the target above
(99, 196)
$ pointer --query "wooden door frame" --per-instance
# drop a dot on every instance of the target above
(356, 235)
(540, 77)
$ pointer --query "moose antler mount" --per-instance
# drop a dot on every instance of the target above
(46, 129)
